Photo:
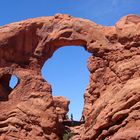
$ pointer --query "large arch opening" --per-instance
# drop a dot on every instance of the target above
(67, 72)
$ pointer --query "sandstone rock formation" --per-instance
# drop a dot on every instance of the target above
(61, 106)
(112, 98)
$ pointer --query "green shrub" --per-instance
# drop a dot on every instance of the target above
(67, 135)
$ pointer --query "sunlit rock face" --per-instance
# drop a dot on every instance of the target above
(112, 98)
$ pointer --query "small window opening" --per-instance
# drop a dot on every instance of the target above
(7, 83)
(13, 81)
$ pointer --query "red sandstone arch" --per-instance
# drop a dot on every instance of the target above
(112, 97)
(39, 38)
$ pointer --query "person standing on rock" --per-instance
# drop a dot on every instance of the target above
(82, 118)
(71, 117)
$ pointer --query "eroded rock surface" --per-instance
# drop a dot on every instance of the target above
(61, 106)
(111, 100)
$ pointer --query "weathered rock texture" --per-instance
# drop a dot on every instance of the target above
(112, 98)
(61, 106)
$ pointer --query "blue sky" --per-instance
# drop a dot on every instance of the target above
(66, 70)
